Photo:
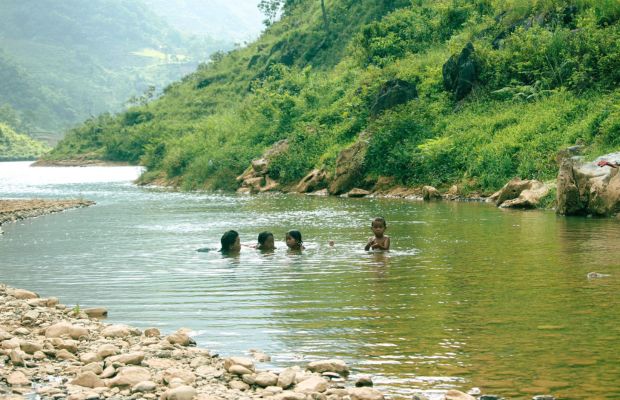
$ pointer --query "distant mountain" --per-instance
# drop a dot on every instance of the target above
(238, 20)
(66, 60)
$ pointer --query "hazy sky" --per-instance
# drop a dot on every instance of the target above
(232, 19)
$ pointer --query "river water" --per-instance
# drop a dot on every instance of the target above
(469, 296)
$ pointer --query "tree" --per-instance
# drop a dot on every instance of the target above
(271, 9)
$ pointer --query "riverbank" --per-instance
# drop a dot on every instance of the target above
(79, 162)
(18, 209)
(54, 351)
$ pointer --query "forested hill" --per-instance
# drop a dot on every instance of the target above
(14, 146)
(421, 92)
(63, 61)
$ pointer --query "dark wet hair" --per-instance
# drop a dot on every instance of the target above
(380, 219)
(228, 239)
(263, 236)
(295, 235)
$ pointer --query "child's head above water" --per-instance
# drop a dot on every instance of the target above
(265, 241)
(230, 242)
(378, 226)
(293, 240)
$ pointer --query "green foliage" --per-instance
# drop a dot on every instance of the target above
(549, 79)
(14, 146)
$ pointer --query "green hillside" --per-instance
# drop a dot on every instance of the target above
(434, 92)
(14, 146)
(75, 59)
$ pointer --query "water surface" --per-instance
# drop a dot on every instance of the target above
(470, 295)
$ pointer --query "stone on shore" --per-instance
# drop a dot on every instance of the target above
(63, 354)
(88, 379)
(152, 332)
(239, 370)
(286, 378)
(315, 180)
(587, 188)
(365, 393)
(116, 331)
(22, 294)
(239, 385)
(185, 376)
(458, 395)
(107, 350)
(65, 329)
(89, 357)
(312, 384)
(430, 193)
(333, 365)
(179, 393)
(290, 395)
(17, 378)
(243, 361)
(31, 347)
(17, 357)
(357, 193)
(265, 379)
(144, 387)
(94, 367)
(134, 358)
(180, 338)
(519, 193)
(98, 312)
(129, 376)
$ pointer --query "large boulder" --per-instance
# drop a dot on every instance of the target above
(521, 194)
(392, 93)
(350, 166)
(256, 177)
(430, 193)
(586, 188)
(315, 180)
(460, 72)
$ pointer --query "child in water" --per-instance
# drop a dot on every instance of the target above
(231, 244)
(265, 241)
(293, 240)
(379, 241)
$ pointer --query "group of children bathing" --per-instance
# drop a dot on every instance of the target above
(231, 243)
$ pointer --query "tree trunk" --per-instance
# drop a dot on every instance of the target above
(325, 21)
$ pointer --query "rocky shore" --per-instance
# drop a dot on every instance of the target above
(15, 210)
(51, 351)
(78, 162)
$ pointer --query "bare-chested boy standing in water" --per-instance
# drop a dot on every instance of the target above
(379, 241)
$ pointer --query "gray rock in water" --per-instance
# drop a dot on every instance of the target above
(363, 380)
(596, 275)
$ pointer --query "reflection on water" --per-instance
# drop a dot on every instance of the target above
(469, 296)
